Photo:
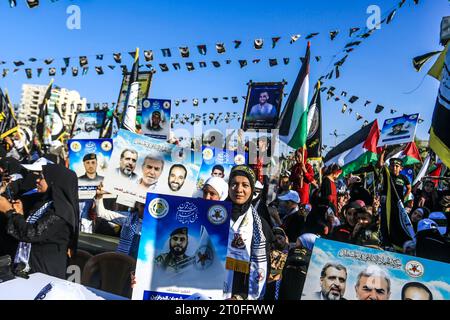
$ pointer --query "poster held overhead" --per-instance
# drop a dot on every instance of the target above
(399, 130)
(156, 118)
(263, 105)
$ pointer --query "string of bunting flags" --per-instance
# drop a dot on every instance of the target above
(348, 102)
(359, 35)
(164, 67)
(205, 118)
(186, 52)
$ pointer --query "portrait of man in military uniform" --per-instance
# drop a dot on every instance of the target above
(176, 258)
(90, 166)
(397, 130)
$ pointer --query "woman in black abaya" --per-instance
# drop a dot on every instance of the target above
(50, 230)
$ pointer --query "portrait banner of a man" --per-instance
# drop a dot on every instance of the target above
(399, 130)
(341, 271)
(141, 164)
(89, 159)
(263, 105)
(156, 118)
(183, 248)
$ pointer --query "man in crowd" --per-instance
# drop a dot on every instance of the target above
(373, 284)
(127, 164)
(177, 177)
(176, 258)
(90, 166)
(152, 168)
(396, 188)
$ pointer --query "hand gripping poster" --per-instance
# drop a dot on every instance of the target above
(141, 164)
(182, 249)
(89, 159)
(340, 271)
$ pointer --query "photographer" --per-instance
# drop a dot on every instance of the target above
(50, 230)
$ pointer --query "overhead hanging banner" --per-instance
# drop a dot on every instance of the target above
(263, 105)
(399, 130)
(155, 119)
(141, 164)
(359, 273)
(182, 249)
(89, 159)
(88, 125)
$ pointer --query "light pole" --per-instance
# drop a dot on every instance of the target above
(336, 136)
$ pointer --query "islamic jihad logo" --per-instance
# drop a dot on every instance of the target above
(187, 213)
(217, 215)
(414, 269)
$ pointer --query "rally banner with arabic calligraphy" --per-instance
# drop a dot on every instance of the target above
(360, 273)
(182, 249)
(141, 164)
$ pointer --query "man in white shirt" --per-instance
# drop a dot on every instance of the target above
(263, 110)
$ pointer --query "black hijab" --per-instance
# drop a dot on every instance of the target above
(244, 171)
(63, 190)
(12, 166)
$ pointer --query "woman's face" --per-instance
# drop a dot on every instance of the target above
(240, 190)
(429, 187)
(416, 216)
(209, 193)
(41, 184)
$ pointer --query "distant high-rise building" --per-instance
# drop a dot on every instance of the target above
(67, 101)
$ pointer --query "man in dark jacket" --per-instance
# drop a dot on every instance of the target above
(430, 243)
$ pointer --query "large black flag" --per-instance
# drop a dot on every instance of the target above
(8, 123)
(314, 139)
(130, 112)
(41, 129)
(439, 132)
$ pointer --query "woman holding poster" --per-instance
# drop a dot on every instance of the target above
(249, 240)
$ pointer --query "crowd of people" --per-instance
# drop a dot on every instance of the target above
(40, 218)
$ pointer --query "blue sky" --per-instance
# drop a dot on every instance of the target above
(380, 70)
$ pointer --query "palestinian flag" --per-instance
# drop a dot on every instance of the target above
(357, 151)
(410, 155)
(439, 132)
(293, 123)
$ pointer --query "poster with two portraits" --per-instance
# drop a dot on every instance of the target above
(360, 273)
(141, 164)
